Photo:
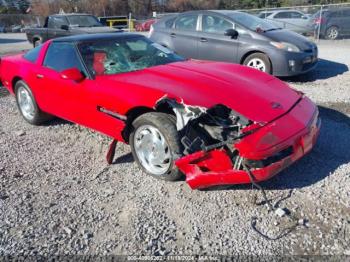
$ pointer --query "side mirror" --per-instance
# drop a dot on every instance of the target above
(232, 33)
(72, 74)
(65, 27)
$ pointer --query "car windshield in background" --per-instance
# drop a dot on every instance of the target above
(124, 55)
(83, 21)
(252, 22)
(263, 15)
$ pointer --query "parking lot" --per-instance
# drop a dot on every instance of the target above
(58, 196)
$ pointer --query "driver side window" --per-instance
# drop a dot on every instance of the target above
(61, 56)
(215, 24)
(57, 22)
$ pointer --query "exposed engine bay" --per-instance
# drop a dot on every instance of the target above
(204, 129)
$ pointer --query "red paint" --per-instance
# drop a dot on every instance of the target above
(72, 74)
(145, 26)
(247, 91)
(294, 129)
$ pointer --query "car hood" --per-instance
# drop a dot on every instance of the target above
(257, 96)
(291, 37)
(93, 30)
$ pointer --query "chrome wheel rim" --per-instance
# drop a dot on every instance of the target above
(333, 33)
(26, 103)
(257, 63)
(152, 150)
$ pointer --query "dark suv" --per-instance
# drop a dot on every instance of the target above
(334, 23)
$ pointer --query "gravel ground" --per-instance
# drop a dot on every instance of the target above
(58, 196)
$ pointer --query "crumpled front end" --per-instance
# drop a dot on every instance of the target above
(220, 145)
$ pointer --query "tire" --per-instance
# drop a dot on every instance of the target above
(261, 61)
(29, 110)
(332, 33)
(37, 43)
(142, 139)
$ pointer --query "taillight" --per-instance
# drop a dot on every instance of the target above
(319, 21)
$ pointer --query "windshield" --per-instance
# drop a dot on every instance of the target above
(264, 14)
(318, 13)
(252, 22)
(83, 21)
(124, 55)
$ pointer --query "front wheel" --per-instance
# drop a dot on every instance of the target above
(332, 33)
(155, 144)
(258, 61)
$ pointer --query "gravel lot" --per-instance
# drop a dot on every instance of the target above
(58, 196)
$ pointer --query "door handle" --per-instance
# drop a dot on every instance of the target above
(203, 40)
(39, 76)
(173, 35)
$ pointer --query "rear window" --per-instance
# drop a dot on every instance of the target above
(283, 15)
(33, 54)
(186, 22)
(325, 13)
(263, 15)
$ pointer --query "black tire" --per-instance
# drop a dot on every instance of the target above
(39, 117)
(37, 42)
(262, 57)
(166, 125)
(332, 33)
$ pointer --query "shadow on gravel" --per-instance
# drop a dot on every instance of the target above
(127, 158)
(11, 41)
(3, 91)
(331, 151)
(57, 122)
(324, 70)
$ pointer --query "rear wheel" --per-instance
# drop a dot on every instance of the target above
(332, 33)
(28, 106)
(258, 61)
(155, 144)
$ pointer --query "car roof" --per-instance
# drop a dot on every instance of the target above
(70, 14)
(281, 11)
(337, 9)
(207, 11)
(224, 12)
(96, 37)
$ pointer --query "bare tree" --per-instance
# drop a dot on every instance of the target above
(41, 7)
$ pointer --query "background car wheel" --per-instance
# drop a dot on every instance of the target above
(332, 33)
(258, 61)
(37, 43)
(28, 106)
(155, 144)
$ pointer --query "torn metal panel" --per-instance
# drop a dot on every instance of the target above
(247, 145)
(205, 128)
(184, 113)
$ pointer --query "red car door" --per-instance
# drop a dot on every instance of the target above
(78, 102)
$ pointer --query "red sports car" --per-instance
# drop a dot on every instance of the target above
(216, 123)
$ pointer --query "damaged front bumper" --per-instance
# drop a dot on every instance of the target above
(265, 152)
